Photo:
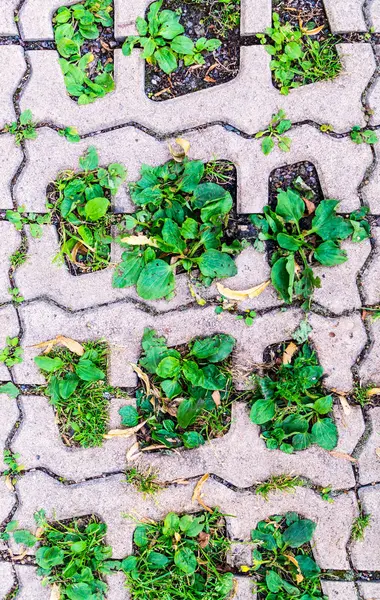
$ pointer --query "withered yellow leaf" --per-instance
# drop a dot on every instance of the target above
(373, 392)
(343, 456)
(197, 497)
(290, 350)
(377, 452)
(345, 404)
(179, 155)
(61, 340)
(55, 592)
(216, 397)
(242, 294)
(138, 240)
(133, 452)
(143, 376)
(124, 433)
(9, 484)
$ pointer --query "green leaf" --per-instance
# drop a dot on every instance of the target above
(156, 280)
(48, 364)
(214, 263)
(190, 229)
(182, 44)
(79, 591)
(329, 253)
(129, 416)
(308, 566)
(166, 60)
(301, 441)
(24, 537)
(192, 439)
(140, 536)
(299, 533)
(185, 560)
(26, 117)
(215, 348)
(267, 145)
(156, 560)
(262, 411)
(171, 524)
(171, 388)
(192, 174)
(10, 389)
(48, 557)
(128, 271)
(68, 385)
(141, 26)
(78, 547)
(87, 371)
(169, 367)
(171, 234)
(212, 199)
(273, 581)
(190, 525)
(129, 564)
(323, 405)
(282, 276)
(96, 208)
(288, 242)
(290, 206)
(187, 411)
(329, 226)
(325, 434)
(89, 161)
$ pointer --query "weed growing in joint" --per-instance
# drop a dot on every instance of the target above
(291, 407)
(17, 298)
(182, 557)
(75, 28)
(161, 37)
(12, 354)
(282, 561)
(14, 468)
(18, 258)
(366, 136)
(296, 59)
(19, 218)
(279, 483)
(187, 396)
(23, 129)
(70, 133)
(274, 134)
(78, 391)
(359, 526)
(81, 201)
(145, 482)
(222, 16)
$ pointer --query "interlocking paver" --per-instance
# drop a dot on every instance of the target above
(11, 157)
(8, 25)
(7, 501)
(369, 462)
(365, 553)
(345, 15)
(12, 68)
(6, 579)
(122, 325)
(369, 366)
(336, 102)
(336, 161)
(10, 240)
(340, 590)
(8, 416)
(370, 590)
(370, 277)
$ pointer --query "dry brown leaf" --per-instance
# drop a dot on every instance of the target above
(196, 497)
(55, 592)
(310, 206)
(39, 532)
(179, 155)
(373, 392)
(242, 294)
(9, 484)
(143, 376)
(307, 31)
(20, 556)
(61, 340)
(343, 456)
(290, 351)
(124, 433)
(377, 452)
(299, 576)
(209, 79)
(177, 536)
(203, 539)
(235, 588)
(133, 452)
(138, 240)
(216, 397)
(345, 405)
(153, 447)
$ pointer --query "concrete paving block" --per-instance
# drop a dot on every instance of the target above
(345, 15)
(374, 12)
(8, 416)
(370, 590)
(369, 366)
(339, 590)
(351, 427)
(6, 579)
(371, 190)
(338, 342)
(36, 18)
(241, 458)
(371, 274)
(337, 102)
(339, 291)
(336, 160)
(7, 501)
(8, 25)
(369, 462)
(12, 68)
(122, 325)
(10, 240)
(30, 584)
(11, 157)
(365, 554)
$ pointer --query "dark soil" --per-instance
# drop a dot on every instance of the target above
(291, 11)
(283, 178)
(221, 66)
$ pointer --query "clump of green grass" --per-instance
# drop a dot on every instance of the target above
(78, 391)
(279, 483)
(181, 557)
(18, 258)
(145, 482)
(359, 526)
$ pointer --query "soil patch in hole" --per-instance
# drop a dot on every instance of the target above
(291, 11)
(200, 19)
(284, 177)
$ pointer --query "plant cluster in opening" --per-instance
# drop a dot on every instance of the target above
(296, 59)
(180, 225)
(12, 354)
(72, 557)
(81, 201)
(282, 560)
(187, 396)
(182, 557)
(303, 234)
(24, 128)
(274, 134)
(291, 406)
(161, 37)
(78, 391)
(76, 28)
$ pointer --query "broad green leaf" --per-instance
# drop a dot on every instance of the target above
(48, 557)
(273, 581)
(171, 524)
(140, 536)
(185, 560)
(156, 280)
(299, 533)
(193, 373)
(157, 560)
(48, 364)
(129, 416)
(79, 591)
(24, 537)
(89, 161)
(190, 229)
(182, 44)
(171, 234)
(288, 242)
(190, 525)
(88, 371)
(323, 405)
(325, 434)
(308, 566)
(214, 263)
(329, 226)
(329, 253)
(262, 411)
(215, 348)
(10, 389)
(166, 60)
(282, 276)
(128, 271)
(169, 367)
(267, 145)
(192, 439)
(301, 441)
(192, 174)
(212, 199)
(68, 385)
(290, 206)
(129, 563)
(78, 547)
(171, 388)
(96, 208)
(187, 411)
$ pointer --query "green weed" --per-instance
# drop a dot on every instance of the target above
(279, 483)
(163, 41)
(145, 482)
(359, 526)
(70, 133)
(12, 354)
(17, 298)
(18, 258)
(23, 129)
(10, 459)
(19, 218)
(366, 136)
(291, 407)
(274, 134)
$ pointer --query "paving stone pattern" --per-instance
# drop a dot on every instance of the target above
(127, 127)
